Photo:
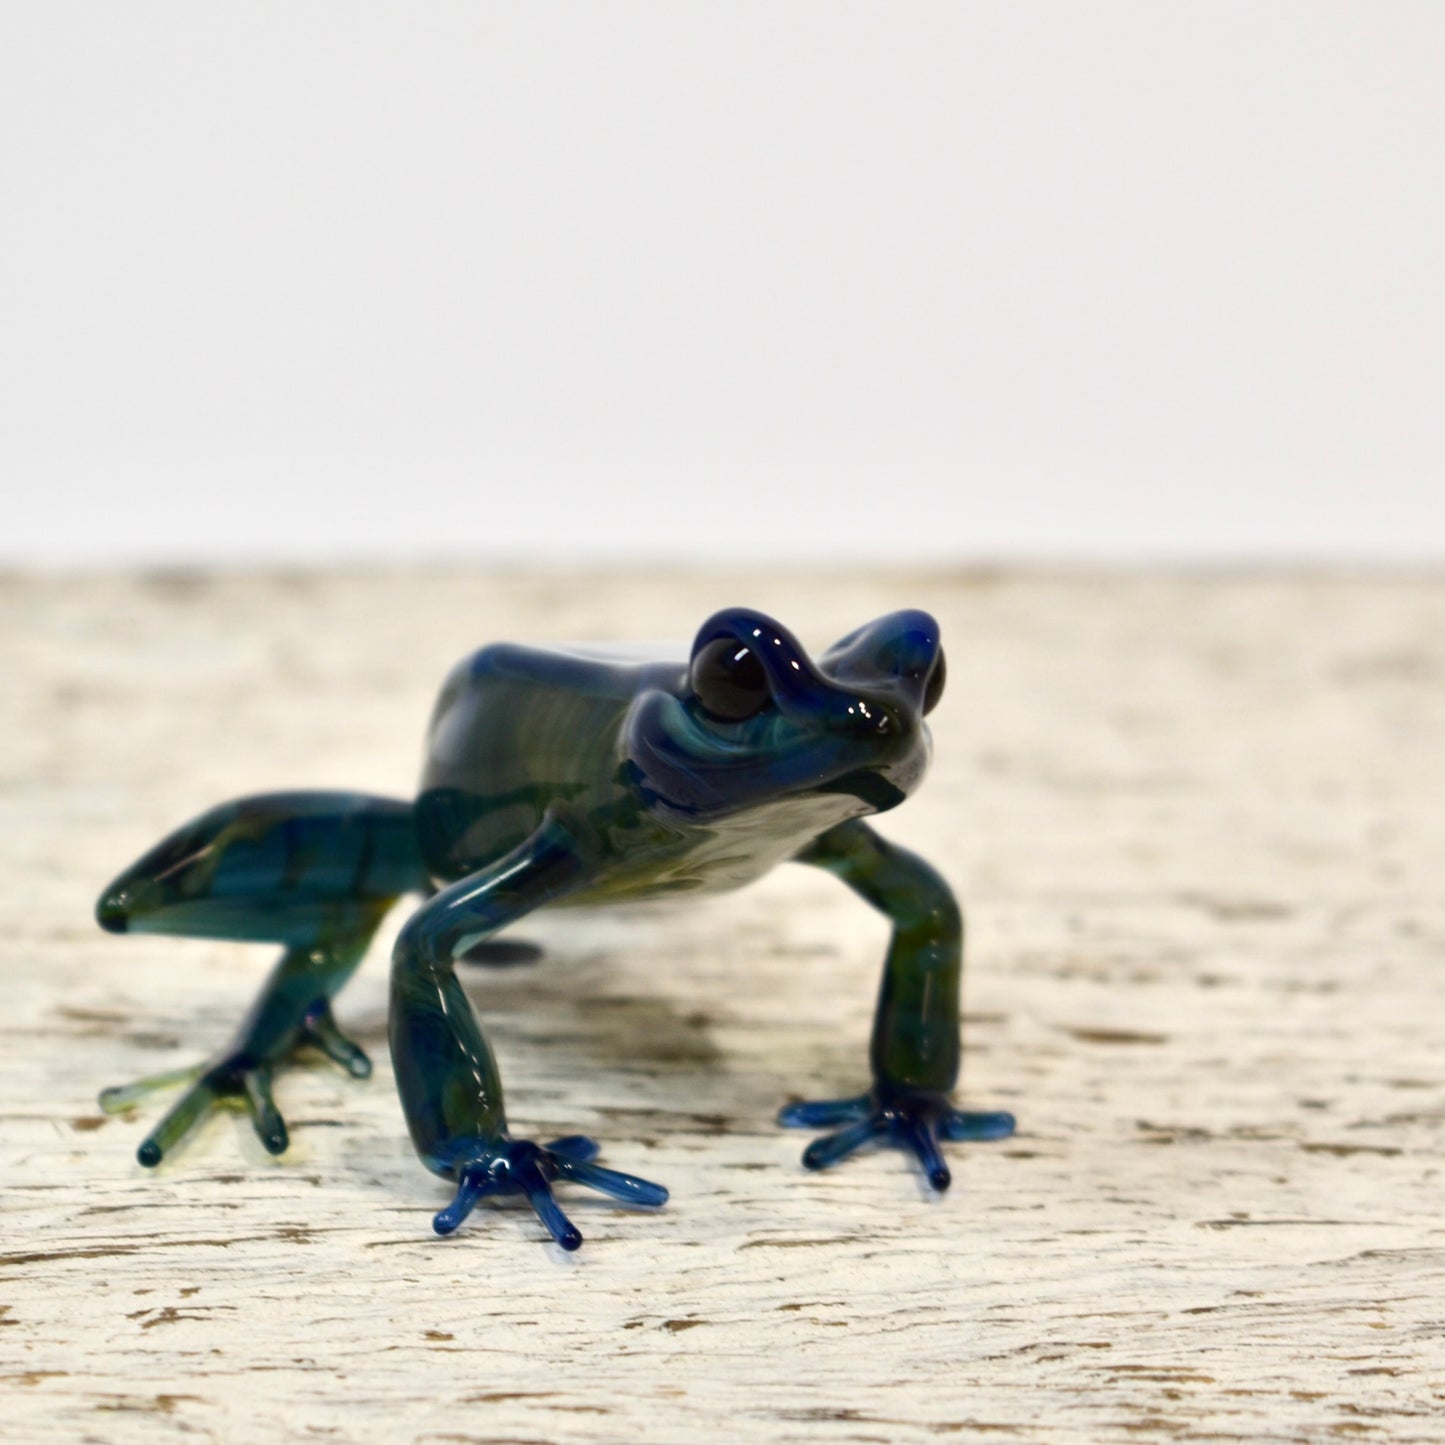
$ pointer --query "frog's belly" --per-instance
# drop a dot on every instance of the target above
(720, 857)
(671, 876)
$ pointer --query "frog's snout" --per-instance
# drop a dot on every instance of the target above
(897, 661)
(867, 718)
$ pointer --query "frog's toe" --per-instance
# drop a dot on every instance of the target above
(960, 1125)
(921, 1136)
(266, 1118)
(826, 1113)
(626, 1187)
(194, 1101)
(472, 1185)
(832, 1147)
(319, 1030)
(126, 1096)
(545, 1207)
(575, 1146)
(197, 1100)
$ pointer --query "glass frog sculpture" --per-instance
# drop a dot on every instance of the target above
(561, 777)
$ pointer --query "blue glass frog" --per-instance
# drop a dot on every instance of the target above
(578, 777)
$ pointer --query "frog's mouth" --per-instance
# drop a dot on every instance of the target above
(868, 787)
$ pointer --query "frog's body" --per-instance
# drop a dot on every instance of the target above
(578, 777)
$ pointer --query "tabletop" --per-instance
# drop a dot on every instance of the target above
(1195, 820)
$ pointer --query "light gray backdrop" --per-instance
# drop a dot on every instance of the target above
(716, 281)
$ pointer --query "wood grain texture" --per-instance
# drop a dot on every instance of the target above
(1197, 826)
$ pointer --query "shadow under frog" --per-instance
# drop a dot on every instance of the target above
(578, 777)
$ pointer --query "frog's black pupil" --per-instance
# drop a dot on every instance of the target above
(933, 689)
(729, 680)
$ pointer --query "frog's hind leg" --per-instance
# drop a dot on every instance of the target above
(315, 872)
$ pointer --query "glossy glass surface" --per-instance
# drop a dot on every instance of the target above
(560, 778)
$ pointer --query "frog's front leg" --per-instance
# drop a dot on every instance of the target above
(446, 1074)
(915, 1048)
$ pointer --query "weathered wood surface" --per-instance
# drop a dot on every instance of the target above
(1198, 827)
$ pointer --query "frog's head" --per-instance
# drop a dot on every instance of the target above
(757, 720)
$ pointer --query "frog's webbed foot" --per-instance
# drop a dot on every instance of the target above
(234, 1077)
(518, 1166)
(209, 1086)
(913, 1119)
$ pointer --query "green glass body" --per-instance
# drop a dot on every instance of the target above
(566, 777)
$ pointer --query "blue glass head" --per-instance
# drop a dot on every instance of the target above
(756, 719)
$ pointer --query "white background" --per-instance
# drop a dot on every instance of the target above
(719, 281)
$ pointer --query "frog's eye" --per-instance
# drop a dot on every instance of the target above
(933, 689)
(729, 680)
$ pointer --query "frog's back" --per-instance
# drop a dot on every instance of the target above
(517, 730)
